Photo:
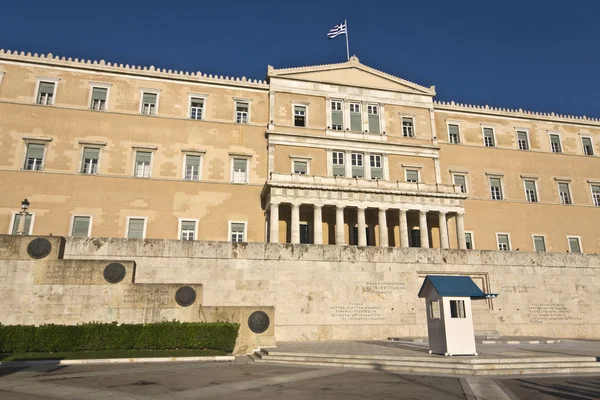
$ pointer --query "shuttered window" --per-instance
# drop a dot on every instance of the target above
(539, 243)
(522, 139)
(240, 170)
(453, 134)
(412, 175)
(496, 188)
(17, 221)
(34, 157)
(355, 118)
(461, 181)
(588, 149)
(81, 226)
(237, 232)
(376, 167)
(503, 243)
(46, 93)
(99, 98)
(339, 168)
(530, 192)
(488, 137)
(574, 245)
(555, 144)
(149, 103)
(188, 230)
(135, 230)
(143, 160)
(300, 167)
(358, 168)
(89, 163)
(564, 193)
(192, 167)
(337, 116)
(373, 113)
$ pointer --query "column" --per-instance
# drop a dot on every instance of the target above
(443, 231)
(339, 225)
(318, 224)
(295, 237)
(403, 229)
(383, 229)
(362, 227)
(460, 230)
(274, 223)
(423, 228)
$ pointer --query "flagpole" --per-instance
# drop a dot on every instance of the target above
(347, 48)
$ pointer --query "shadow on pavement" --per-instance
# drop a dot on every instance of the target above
(567, 390)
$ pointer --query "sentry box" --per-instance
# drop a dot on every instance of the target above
(449, 316)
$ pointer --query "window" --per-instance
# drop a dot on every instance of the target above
(99, 95)
(149, 101)
(187, 230)
(522, 140)
(300, 116)
(339, 168)
(45, 94)
(355, 118)
(81, 226)
(136, 228)
(28, 228)
(496, 188)
(196, 108)
(300, 167)
(34, 157)
(453, 133)
(434, 309)
(596, 195)
(304, 233)
(358, 169)
(241, 113)
(240, 170)
(469, 240)
(237, 230)
(539, 243)
(143, 161)
(337, 116)
(588, 149)
(412, 175)
(192, 167)
(376, 168)
(530, 191)
(503, 242)
(373, 112)
(564, 193)
(461, 180)
(408, 127)
(488, 137)
(574, 244)
(89, 163)
(457, 309)
(555, 143)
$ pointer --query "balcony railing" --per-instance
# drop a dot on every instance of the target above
(362, 183)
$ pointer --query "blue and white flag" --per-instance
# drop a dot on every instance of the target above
(337, 30)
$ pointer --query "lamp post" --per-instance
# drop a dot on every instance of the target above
(23, 214)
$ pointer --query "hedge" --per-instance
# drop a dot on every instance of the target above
(101, 336)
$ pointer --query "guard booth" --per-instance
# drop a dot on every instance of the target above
(449, 316)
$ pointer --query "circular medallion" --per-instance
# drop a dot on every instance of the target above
(39, 248)
(258, 321)
(185, 296)
(114, 272)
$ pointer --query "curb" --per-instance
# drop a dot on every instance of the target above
(520, 341)
(117, 361)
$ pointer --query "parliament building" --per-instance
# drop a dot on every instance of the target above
(327, 154)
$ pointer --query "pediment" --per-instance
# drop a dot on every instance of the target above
(353, 74)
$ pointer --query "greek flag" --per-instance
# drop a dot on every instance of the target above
(337, 30)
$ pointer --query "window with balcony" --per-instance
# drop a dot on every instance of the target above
(99, 96)
(192, 167)
(496, 188)
(358, 169)
(488, 137)
(523, 140)
(408, 127)
(34, 158)
(45, 95)
(530, 191)
(143, 164)
(300, 116)
(89, 162)
(564, 193)
(503, 241)
(588, 149)
(242, 113)
(376, 166)
(300, 167)
(555, 143)
(196, 108)
(461, 180)
(355, 117)
(149, 103)
(453, 134)
(339, 168)
(337, 116)
(373, 113)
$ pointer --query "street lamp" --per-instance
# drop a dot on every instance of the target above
(23, 214)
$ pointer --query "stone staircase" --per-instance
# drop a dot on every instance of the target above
(437, 365)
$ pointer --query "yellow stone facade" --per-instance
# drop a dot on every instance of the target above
(328, 152)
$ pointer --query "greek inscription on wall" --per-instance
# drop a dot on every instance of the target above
(357, 312)
(384, 287)
(60, 274)
(155, 296)
(517, 288)
(549, 312)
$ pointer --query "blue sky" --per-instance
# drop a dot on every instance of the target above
(531, 54)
